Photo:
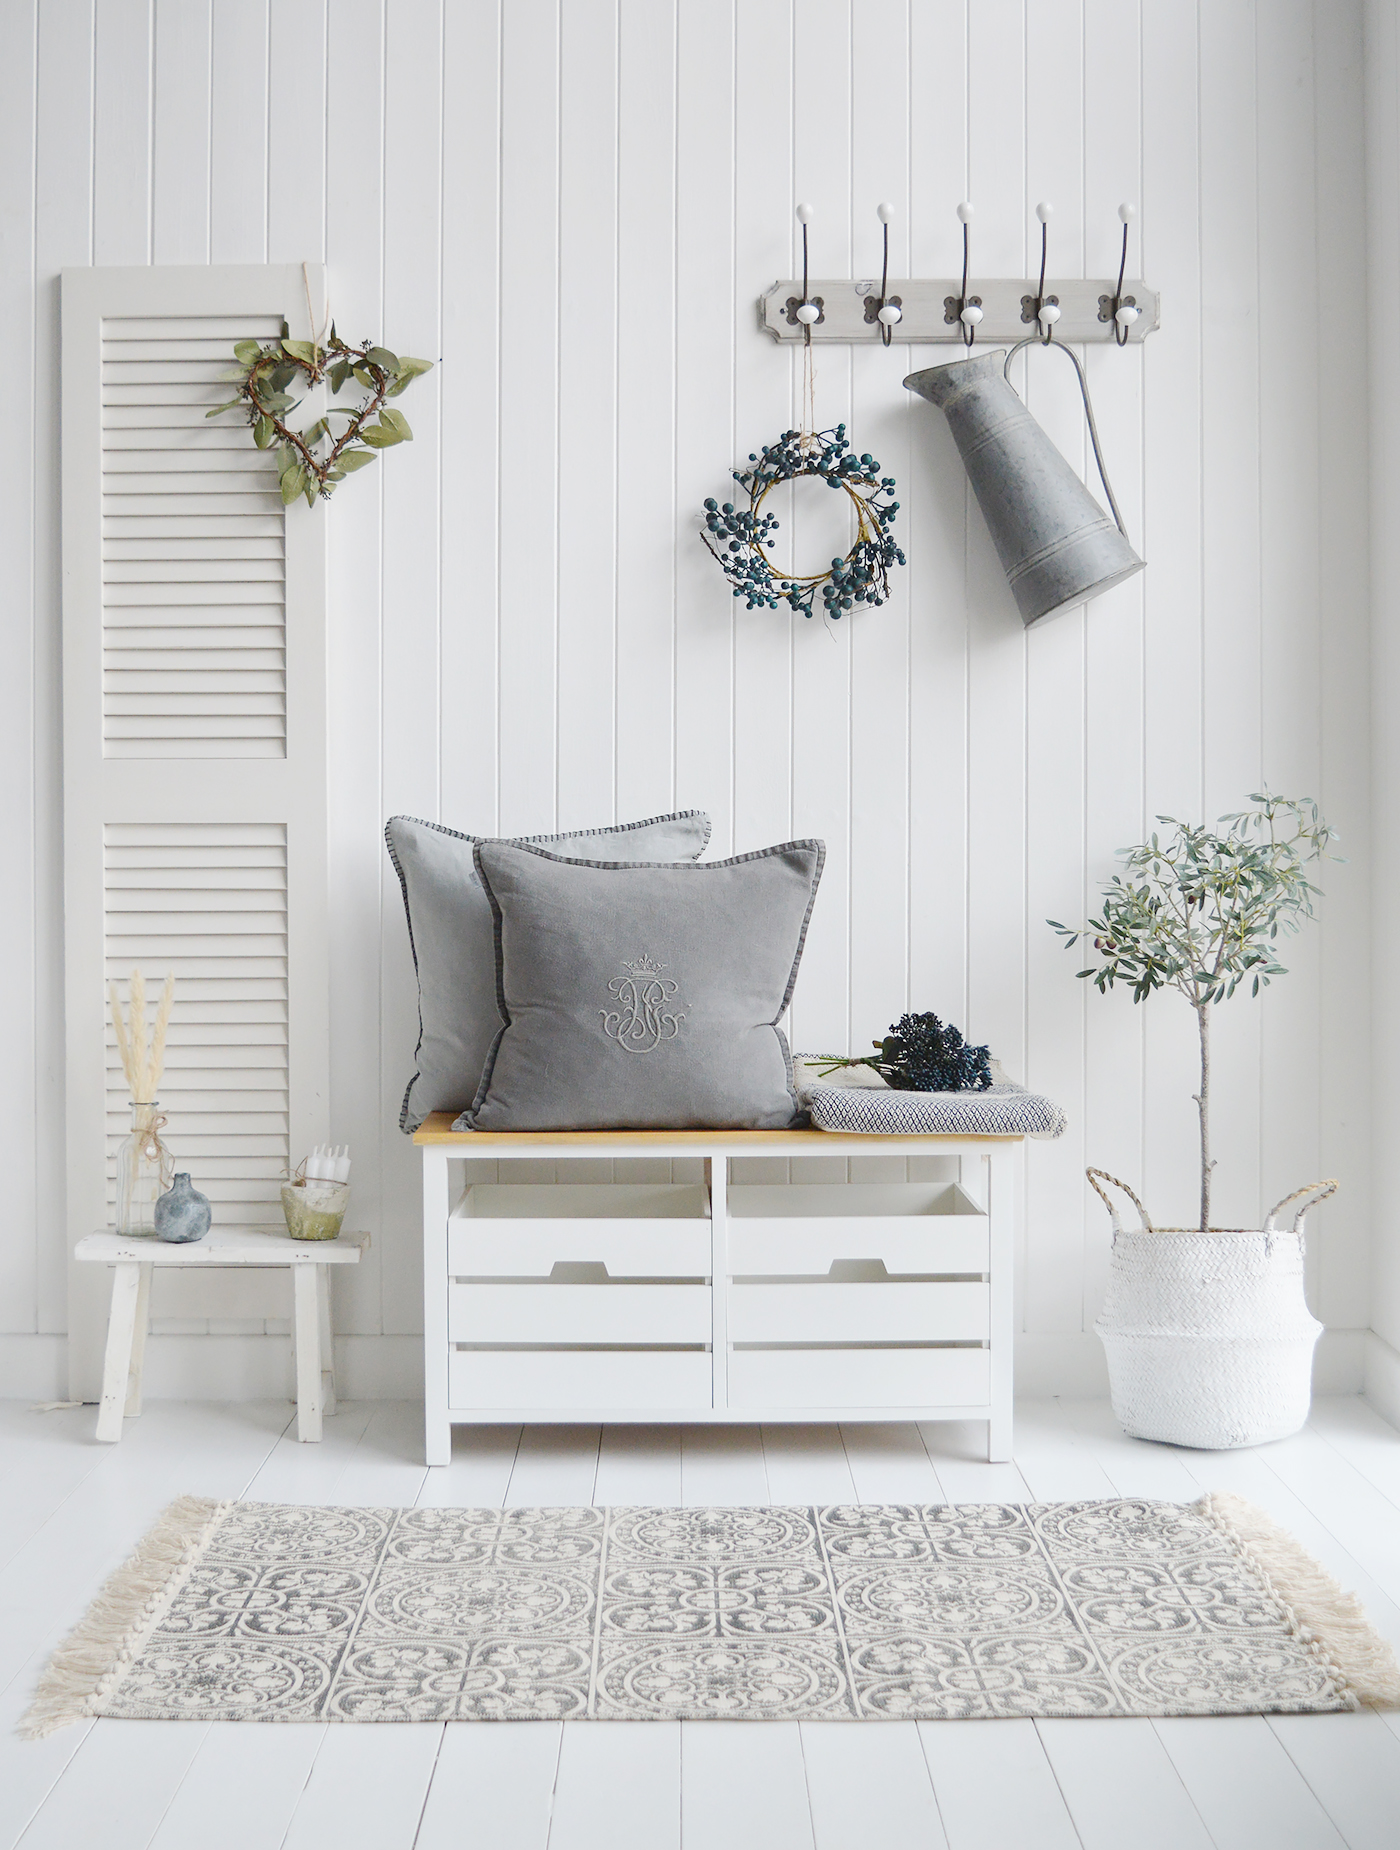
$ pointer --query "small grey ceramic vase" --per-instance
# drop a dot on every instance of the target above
(182, 1213)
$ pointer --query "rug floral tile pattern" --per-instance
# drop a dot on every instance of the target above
(295, 1613)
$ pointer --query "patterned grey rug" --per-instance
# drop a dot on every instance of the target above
(275, 1612)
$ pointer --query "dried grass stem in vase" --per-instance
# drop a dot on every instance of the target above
(144, 1165)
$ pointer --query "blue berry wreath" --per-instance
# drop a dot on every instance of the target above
(741, 539)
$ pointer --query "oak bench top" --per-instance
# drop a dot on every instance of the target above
(436, 1129)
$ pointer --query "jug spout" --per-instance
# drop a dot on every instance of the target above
(1057, 546)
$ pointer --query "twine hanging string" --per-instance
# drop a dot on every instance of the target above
(317, 340)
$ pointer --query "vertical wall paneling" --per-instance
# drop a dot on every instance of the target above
(238, 133)
(1175, 635)
(194, 758)
(62, 234)
(413, 102)
(369, 1058)
(21, 1252)
(572, 204)
(1113, 643)
(180, 131)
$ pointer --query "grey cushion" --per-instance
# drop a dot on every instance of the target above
(644, 997)
(858, 1100)
(450, 930)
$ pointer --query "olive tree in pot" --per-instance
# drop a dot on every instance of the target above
(1207, 1333)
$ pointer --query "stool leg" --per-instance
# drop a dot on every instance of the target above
(138, 1344)
(121, 1326)
(323, 1298)
(307, 1321)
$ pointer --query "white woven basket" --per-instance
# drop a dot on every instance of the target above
(1208, 1336)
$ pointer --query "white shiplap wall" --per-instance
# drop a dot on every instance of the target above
(575, 202)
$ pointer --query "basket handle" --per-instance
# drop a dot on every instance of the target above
(1306, 1198)
(1093, 1175)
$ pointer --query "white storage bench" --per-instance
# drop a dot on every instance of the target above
(550, 1296)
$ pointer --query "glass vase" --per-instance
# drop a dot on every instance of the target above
(144, 1170)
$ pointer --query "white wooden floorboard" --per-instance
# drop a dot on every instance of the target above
(1348, 1503)
(144, 1762)
(241, 1788)
(1057, 1466)
(889, 1463)
(618, 1787)
(807, 1464)
(1121, 1788)
(47, 1455)
(995, 1787)
(1354, 1428)
(744, 1786)
(870, 1785)
(1352, 1764)
(298, 1473)
(1244, 1785)
(483, 1458)
(957, 1450)
(554, 1465)
(492, 1787)
(639, 1464)
(1134, 1467)
(367, 1787)
(29, 1770)
(386, 1470)
(722, 1466)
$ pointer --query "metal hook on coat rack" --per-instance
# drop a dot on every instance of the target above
(964, 309)
(1122, 310)
(1042, 309)
(884, 309)
(805, 311)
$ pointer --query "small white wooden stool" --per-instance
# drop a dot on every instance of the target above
(135, 1259)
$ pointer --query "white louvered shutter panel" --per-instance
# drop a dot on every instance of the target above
(194, 763)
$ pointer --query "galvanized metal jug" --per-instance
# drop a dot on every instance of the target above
(1057, 546)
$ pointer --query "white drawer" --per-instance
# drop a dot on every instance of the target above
(635, 1230)
(801, 1229)
(586, 1382)
(858, 1313)
(601, 1313)
(834, 1380)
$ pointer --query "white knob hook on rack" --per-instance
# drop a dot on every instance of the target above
(1042, 310)
(1122, 310)
(964, 308)
(805, 310)
(884, 309)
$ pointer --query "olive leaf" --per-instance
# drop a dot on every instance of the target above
(300, 350)
(247, 351)
(382, 358)
(293, 483)
(355, 459)
(263, 432)
(396, 421)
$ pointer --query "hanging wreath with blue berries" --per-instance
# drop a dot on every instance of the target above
(741, 538)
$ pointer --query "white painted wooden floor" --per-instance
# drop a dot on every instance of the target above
(70, 1510)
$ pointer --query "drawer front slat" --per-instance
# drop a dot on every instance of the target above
(547, 1313)
(929, 1243)
(531, 1249)
(859, 1313)
(580, 1381)
(841, 1378)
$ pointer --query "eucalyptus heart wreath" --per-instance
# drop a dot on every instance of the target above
(268, 372)
(741, 538)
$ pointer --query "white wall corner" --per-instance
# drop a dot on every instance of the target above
(1381, 1384)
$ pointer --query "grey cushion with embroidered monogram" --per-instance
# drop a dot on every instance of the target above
(450, 930)
(644, 998)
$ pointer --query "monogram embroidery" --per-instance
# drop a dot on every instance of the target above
(642, 1020)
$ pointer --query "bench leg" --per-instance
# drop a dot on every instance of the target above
(138, 1344)
(307, 1323)
(116, 1369)
(323, 1299)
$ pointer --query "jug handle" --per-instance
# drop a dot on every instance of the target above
(1035, 340)
(1093, 1174)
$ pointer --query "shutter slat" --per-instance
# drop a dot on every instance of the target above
(225, 1084)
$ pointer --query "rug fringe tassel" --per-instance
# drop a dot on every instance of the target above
(1332, 1621)
(115, 1626)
